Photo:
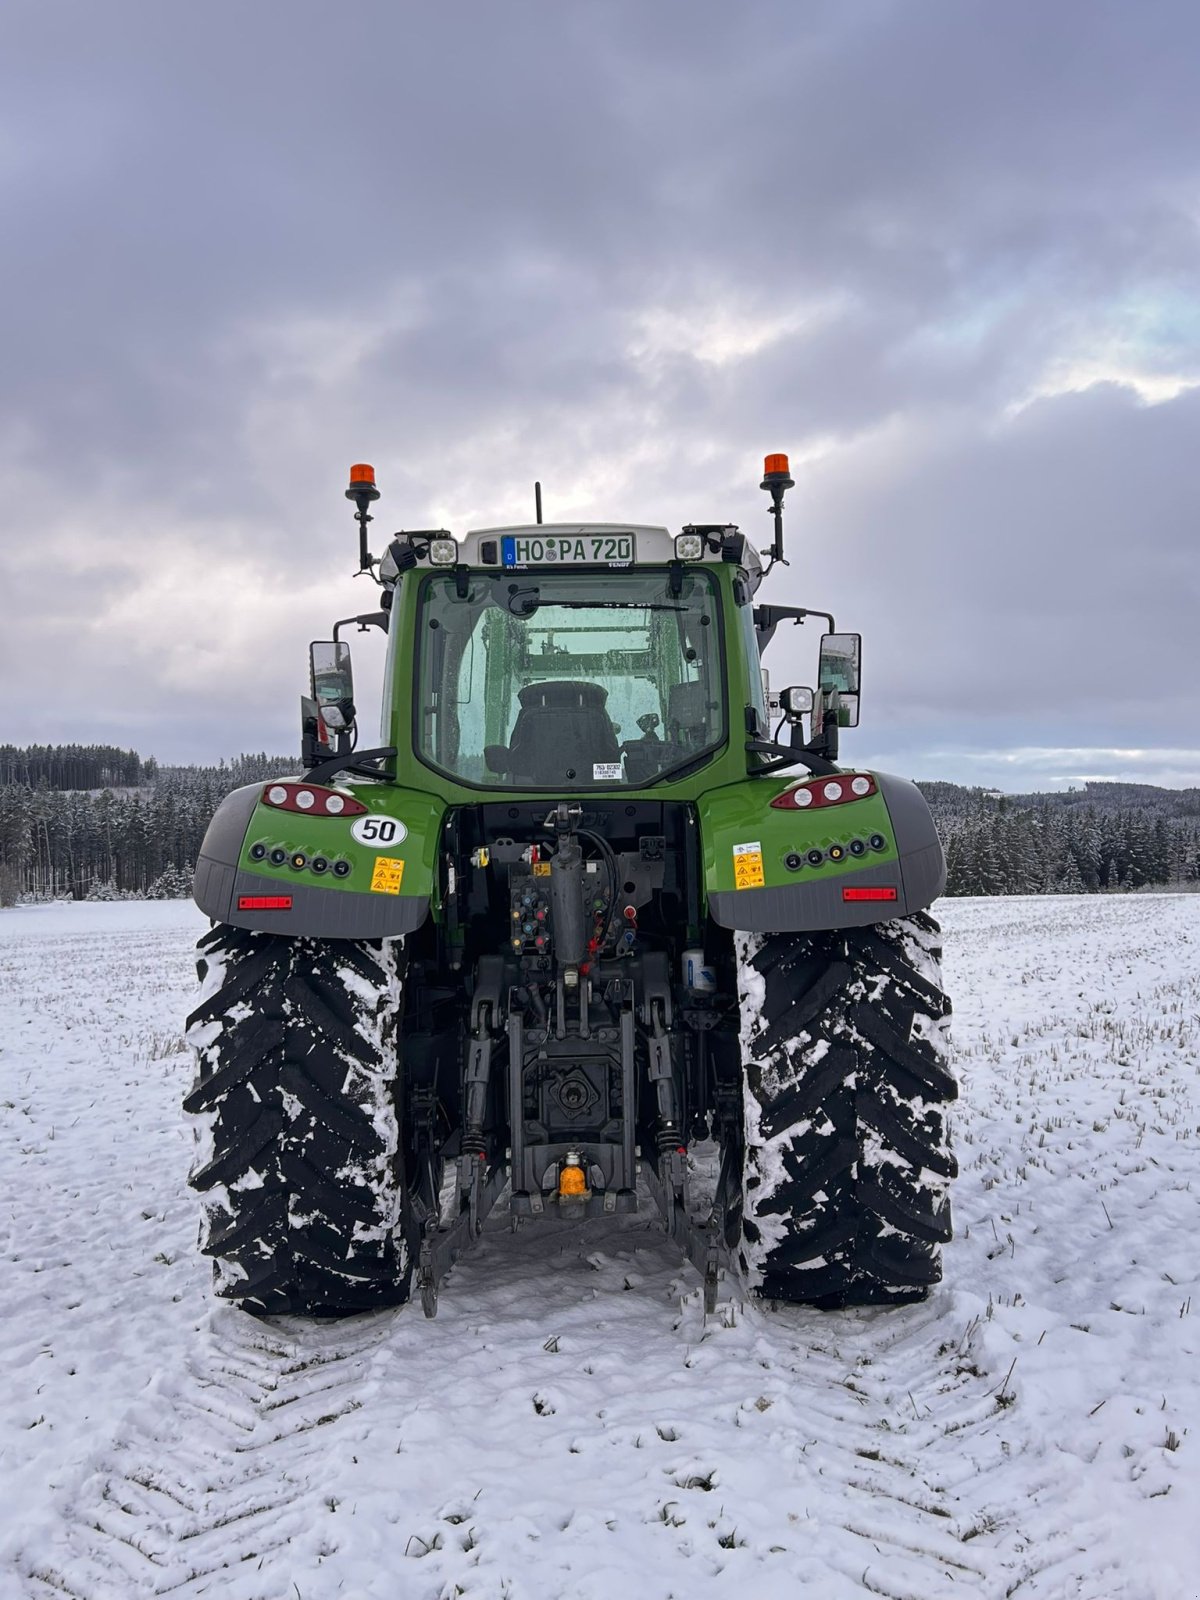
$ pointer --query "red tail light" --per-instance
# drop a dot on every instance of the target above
(870, 894)
(838, 790)
(264, 902)
(311, 800)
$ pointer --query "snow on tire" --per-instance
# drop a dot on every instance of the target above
(847, 1165)
(299, 1140)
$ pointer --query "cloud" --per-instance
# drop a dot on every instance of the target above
(944, 256)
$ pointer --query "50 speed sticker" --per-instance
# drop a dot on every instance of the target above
(378, 832)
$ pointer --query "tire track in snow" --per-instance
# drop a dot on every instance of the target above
(211, 1470)
(945, 1489)
(920, 1478)
(910, 1533)
(545, 1473)
(818, 1396)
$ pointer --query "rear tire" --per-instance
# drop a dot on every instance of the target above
(847, 1164)
(305, 1209)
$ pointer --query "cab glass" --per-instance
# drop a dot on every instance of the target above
(558, 681)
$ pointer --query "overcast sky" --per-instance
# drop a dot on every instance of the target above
(943, 254)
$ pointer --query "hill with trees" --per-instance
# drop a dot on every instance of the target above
(95, 822)
(1103, 837)
(65, 834)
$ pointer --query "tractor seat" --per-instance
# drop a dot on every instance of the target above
(562, 731)
(687, 715)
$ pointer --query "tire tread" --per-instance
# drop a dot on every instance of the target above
(844, 1193)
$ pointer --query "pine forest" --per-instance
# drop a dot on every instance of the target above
(93, 822)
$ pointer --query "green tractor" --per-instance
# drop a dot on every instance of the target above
(583, 919)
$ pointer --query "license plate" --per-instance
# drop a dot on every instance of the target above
(603, 549)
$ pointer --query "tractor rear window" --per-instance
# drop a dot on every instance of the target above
(566, 680)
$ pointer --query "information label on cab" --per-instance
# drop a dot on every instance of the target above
(602, 549)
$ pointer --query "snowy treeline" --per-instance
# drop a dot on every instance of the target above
(1106, 836)
(74, 766)
(68, 827)
(136, 841)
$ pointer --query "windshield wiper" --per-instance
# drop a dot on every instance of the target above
(613, 605)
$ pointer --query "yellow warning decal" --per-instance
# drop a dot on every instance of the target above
(541, 869)
(387, 876)
(748, 866)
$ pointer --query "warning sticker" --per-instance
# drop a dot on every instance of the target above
(748, 866)
(387, 876)
(541, 869)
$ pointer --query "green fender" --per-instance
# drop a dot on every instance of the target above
(388, 882)
(838, 864)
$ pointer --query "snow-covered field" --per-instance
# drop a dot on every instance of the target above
(569, 1426)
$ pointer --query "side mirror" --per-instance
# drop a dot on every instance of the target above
(846, 706)
(332, 682)
(841, 656)
(796, 702)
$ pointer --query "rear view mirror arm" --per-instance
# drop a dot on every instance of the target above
(787, 758)
(768, 618)
(354, 764)
(369, 619)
